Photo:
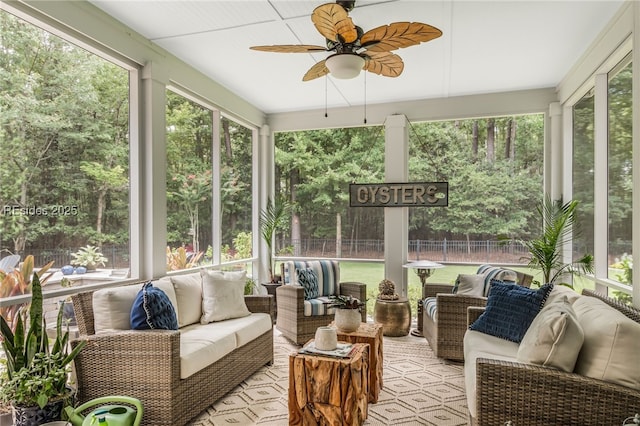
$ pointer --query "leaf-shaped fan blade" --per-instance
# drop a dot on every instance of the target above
(384, 63)
(318, 70)
(333, 22)
(290, 48)
(398, 35)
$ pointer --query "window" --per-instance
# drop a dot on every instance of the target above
(620, 171)
(236, 190)
(189, 180)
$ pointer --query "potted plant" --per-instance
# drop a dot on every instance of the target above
(35, 382)
(558, 228)
(347, 313)
(89, 257)
(272, 218)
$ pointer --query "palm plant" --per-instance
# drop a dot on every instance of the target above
(558, 228)
(272, 218)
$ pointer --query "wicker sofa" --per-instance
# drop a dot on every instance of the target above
(444, 319)
(176, 374)
(501, 390)
(298, 318)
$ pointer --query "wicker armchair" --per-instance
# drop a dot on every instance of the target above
(146, 365)
(531, 395)
(446, 331)
(291, 320)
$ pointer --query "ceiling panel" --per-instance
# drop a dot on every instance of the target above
(486, 46)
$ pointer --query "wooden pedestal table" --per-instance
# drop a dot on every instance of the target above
(372, 335)
(329, 391)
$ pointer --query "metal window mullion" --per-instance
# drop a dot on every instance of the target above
(601, 180)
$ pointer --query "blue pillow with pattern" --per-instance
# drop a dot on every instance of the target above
(152, 310)
(308, 279)
(510, 310)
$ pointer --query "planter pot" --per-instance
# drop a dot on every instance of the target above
(36, 416)
(326, 338)
(347, 320)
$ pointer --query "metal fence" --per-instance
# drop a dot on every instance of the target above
(485, 251)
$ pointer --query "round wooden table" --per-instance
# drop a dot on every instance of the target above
(394, 315)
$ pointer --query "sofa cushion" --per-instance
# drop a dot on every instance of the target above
(152, 310)
(112, 305)
(480, 345)
(510, 310)
(611, 343)
(554, 338)
(308, 279)
(328, 272)
(430, 307)
(223, 295)
(188, 290)
(469, 284)
(560, 293)
(203, 344)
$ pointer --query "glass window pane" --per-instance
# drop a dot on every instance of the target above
(620, 173)
(64, 181)
(189, 171)
(583, 177)
(236, 174)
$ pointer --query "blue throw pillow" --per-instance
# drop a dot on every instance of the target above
(152, 309)
(510, 310)
(308, 279)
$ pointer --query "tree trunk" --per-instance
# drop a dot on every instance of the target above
(474, 140)
(512, 136)
(294, 179)
(338, 235)
(102, 195)
(227, 140)
(491, 140)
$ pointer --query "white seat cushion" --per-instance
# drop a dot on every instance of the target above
(480, 345)
(203, 344)
(317, 306)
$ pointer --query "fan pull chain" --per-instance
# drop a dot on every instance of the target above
(365, 98)
(326, 114)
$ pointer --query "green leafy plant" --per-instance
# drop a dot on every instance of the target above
(36, 373)
(249, 286)
(18, 282)
(178, 259)
(625, 264)
(272, 218)
(558, 228)
(345, 302)
(88, 256)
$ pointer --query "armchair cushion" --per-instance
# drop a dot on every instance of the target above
(510, 310)
(470, 284)
(223, 296)
(152, 310)
(554, 338)
(495, 272)
(308, 279)
(318, 306)
(430, 307)
(328, 272)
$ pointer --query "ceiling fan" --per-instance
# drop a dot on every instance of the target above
(354, 49)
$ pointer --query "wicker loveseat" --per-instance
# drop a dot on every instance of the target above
(176, 374)
(444, 319)
(298, 318)
(501, 390)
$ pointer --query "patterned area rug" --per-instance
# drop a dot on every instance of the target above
(419, 389)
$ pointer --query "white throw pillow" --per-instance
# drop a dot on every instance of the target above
(470, 285)
(611, 343)
(554, 338)
(223, 295)
(188, 290)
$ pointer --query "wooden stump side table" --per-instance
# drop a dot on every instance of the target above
(329, 391)
(372, 335)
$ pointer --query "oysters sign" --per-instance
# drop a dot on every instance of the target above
(421, 194)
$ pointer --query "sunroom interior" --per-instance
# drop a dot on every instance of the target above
(493, 59)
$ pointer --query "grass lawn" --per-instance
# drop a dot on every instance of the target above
(372, 273)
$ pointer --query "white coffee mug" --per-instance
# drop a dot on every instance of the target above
(326, 338)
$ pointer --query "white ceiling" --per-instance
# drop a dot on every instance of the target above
(486, 46)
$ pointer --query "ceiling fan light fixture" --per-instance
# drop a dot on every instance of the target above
(345, 65)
